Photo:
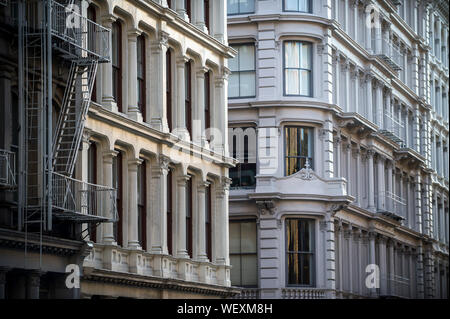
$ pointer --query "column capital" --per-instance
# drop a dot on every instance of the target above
(181, 60)
(133, 34)
(109, 154)
(108, 19)
(182, 180)
(200, 71)
(134, 163)
(202, 185)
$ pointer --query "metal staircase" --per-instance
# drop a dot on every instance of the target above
(77, 98)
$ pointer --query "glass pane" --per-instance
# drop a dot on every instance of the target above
(291, 142)
(304, 83)
(233, 85)
(247, 57)
(233, 63)
(291, 53)
(292, 165)
(235, 275)
(304, 141)
(306, 56)
(249, 266)
(235, 238)
(232, 6)
(247, 83)
(299, 269)
(292, 78)
(246, 6)
(291, 5)
(304, 6)
(248, 241)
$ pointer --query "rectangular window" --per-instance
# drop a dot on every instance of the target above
(169, 88)
(297, 68)
(243, 148)
(92, 178)
(141, 75)
(300, 252)
(243, 254)
(299, 147)
(117, 184)
(189, 217)
(207, 105)
(242, 80)
(188, 97)
(297, 5)
(169, 212)
(206, 11)
(208, 229)
(142, 205)
(187, 7)
(240, 6)
(116, 61)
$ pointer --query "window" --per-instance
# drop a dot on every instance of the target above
(169, 212)
(243, 74)
(92, 39)
(240, 6)
(298, 148)
(244, 149)
(207, 104)
(206, 12)
(141, 75)
(187, 7)
(208, 229)
(297, 68)
(297, 5)
(189, 217)
(116, 61)
(169, 88)
(243, 256)
(92, 178)
(188, 97)
(142, 205)
(300, 252)
(117, 184)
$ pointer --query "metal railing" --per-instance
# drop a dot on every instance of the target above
(89, 37)
(303, 293)
(391, 203)
(393, 128)
(83, 199)
(7, 169)
(389, 53)
(248, 293)
(399, 286)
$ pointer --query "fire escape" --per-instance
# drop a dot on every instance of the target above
(47, 156)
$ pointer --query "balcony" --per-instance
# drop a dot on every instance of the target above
(393, 127)
(82, 202)
(391, 205)
(398, 287)
(390, 54)
(7, 170)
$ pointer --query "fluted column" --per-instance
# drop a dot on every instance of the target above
(337, 63)
(338, 141)
(379, 107)
(391, 266)
(133, 240)
(389, 186)
(348, 150)
(418, 201)
(349, 236)
(158, 98)
(368, 28)
(221, 222)
(160, 169)
(107, 78)
(199, 17)
(107, 228)
(181, 10)
(181, 216)
(133, 109)
(220, 118)
(201, 231)
(371, 180)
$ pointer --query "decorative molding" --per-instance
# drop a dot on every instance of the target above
(266, 207)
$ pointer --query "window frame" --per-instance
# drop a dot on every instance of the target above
(118, 68)
(118, 233)
(169, 212)
(188, 96)
(242, 13)
(313, 252)
(309, 6)
(168, 71)
(142, 204)
(313, 131)
(92, 15)
(245, 155)
(142, 81)
(189, 217)
(254, 70)
(92, 179)
(208, 222)
(207, 103)
(311, 77)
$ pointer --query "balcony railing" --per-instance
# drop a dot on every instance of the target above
(393, 128)
(248, 293)
(389, 53)
(399, 286)
(83, 202)
(7, 169)
(303, 293)
(391, 205)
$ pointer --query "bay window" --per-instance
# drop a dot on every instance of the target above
(240, 6)
(243, 253)
(243, 72)
(299, 147)
(297, 5)
(300, 252)
(297, 68)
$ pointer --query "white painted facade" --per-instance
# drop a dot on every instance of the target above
(377, 192)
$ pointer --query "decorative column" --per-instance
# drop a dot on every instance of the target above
(383, 264)
(349, 236)
(180, 127)
(368, 27)
(378, 37)
(418, 200)
(330, 254)
(220, 18)
(371, 181)
(337, 63)
(107, 228)
(379, 107)
(107, 78)
(133, 109)
(420, 272)
(221, 230)
(346, 69)
(372, 259)
(198, 128)
(181, 10)
(199, 17)
(201, 234)
(158, 98)
(133, 240)
(33, 284)
(181, 216)
(381, 183)
(354, 104)
(387, 124)
(338, 141)
(220, 118)
(340, 252)
(3, 271)
(158, 233)
(360, 272)
(348, 150)
(389, 187)
(369, 110)
(357, 154)
(355, 5)
(346, 9)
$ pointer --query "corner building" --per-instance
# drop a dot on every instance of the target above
(338, 115)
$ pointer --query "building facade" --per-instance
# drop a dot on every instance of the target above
(338, 115)
(142, 177)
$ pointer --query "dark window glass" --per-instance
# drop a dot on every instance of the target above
(300, 252)
(189, 217)
(169, 88)
(142, 205)
(169, 212)
(141, 75)
(244, 149)
(207, 104)
(117, 184)
(208, 228)
(298, 148)
(116, 61)
(188, 98)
